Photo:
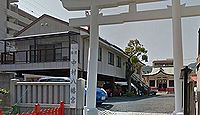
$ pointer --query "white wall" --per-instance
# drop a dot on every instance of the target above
(46, 25)
(103, 67)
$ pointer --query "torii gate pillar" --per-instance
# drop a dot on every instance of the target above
(177, 54)
(90, 108)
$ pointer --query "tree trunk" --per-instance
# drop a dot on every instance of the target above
(129, 84)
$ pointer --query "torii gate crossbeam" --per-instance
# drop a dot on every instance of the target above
(189, 11)
(175, 12)
(76, 5)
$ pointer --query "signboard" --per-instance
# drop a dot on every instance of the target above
(73, 74)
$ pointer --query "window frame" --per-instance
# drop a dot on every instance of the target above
(170, 83)
(151, 84)
(119, 61)
(100, 54)
(111, 58)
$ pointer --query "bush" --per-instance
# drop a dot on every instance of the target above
(3, 91)
(4, 97)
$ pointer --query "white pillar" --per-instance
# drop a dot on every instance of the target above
(156, 83)
(3, 21)
(177, 53)
(133, 7)
(92, 62)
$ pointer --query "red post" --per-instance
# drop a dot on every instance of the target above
(45, 112)
(62, 107)
(0, 111)
(40, 112)
(52, 112)
(33, 113)
(48, 112)
(37, 111)
(37, 108)
(58, 111)
(55, 111)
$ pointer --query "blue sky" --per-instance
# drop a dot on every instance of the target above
(156, 36)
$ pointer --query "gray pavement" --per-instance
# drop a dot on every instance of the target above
(146, 105)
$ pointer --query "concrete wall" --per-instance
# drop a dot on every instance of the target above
(5, 84)
(47, 94)
(3, 15)
(5, 80)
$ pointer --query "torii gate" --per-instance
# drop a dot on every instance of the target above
(94, 20)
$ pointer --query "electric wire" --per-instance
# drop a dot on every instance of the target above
(37, 15)
(46, 8)
(41, 7)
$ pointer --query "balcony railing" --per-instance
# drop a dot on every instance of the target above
(36, 56)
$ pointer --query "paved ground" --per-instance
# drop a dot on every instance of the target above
(146, 105)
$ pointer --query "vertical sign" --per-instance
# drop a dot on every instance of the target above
(73, 74)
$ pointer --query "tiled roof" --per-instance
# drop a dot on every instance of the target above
(165, 70)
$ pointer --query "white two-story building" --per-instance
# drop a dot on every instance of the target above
(43, 48)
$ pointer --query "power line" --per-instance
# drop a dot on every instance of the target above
(33, 6)
(30, 10)
(40, 8)
(46, 8)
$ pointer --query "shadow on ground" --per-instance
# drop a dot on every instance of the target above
(109, 103)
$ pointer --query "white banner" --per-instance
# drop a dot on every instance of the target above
(73, 74)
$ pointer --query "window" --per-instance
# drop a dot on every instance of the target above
(100, 54)
(152, 83)
(46, 52)
(171, 83)
(119, 61)
(79, 56)
(110, 58)
(58, 52)
(32, 54)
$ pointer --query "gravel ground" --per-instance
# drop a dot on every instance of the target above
(147, 105)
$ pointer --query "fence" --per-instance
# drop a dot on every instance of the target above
(35, 56)
(37, 111)
(47, 94)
